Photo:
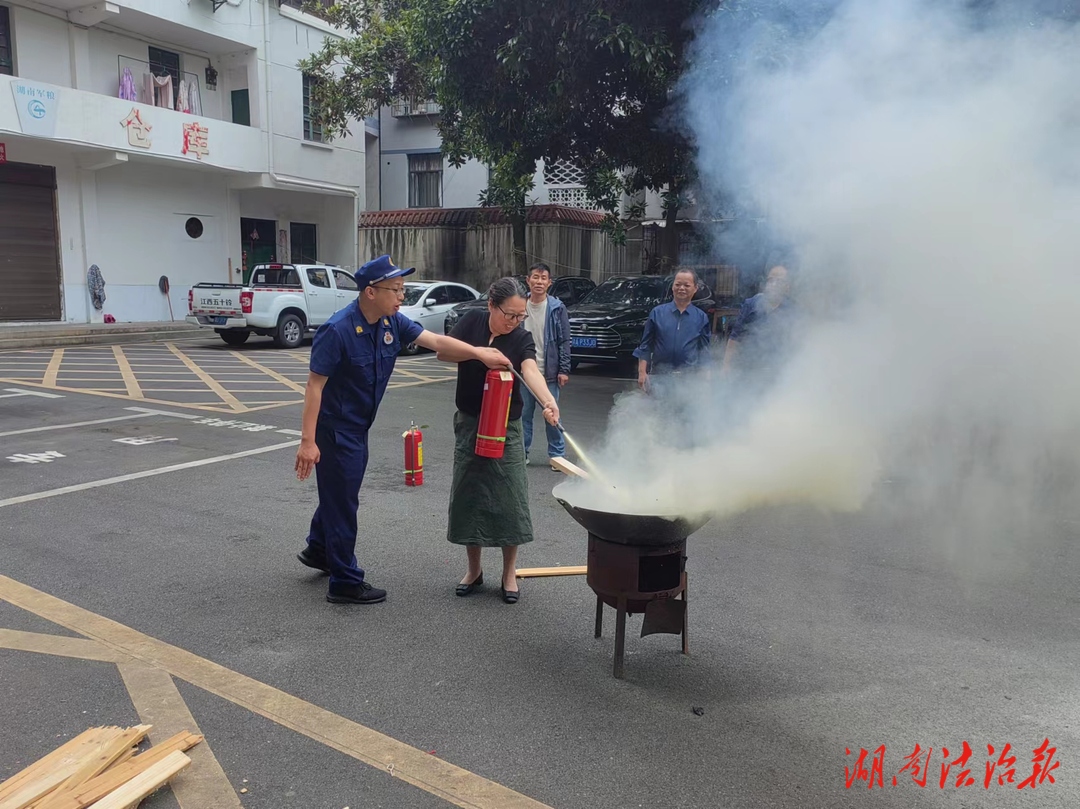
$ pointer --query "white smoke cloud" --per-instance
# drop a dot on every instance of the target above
(923, 162)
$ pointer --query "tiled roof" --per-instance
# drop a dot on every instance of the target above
(468, 217)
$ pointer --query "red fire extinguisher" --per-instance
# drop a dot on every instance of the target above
(414, 456)
(494, 414)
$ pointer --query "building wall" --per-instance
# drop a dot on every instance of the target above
(124, 207)
(42, 50)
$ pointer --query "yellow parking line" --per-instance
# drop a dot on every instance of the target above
(284, 380)
(410, 764)
(210, 382)
(158, 702)
(130, 381)
(58, 645)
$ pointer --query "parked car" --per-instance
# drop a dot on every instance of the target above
(427, 302)
(608, 325)
(570, 289)
(283, 301)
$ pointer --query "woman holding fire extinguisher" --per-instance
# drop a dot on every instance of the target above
(489, 496)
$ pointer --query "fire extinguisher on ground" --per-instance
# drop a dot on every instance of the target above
(414, 456)
(494, 414)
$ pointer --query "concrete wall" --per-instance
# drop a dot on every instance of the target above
(42, 50)
(477, 256)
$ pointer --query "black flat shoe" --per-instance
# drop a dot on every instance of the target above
(313, 560)
(468, 589)
(510, 596)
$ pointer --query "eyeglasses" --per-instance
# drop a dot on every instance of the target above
(399, 291)
(510, 317)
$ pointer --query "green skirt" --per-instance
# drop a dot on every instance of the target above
(489, 497)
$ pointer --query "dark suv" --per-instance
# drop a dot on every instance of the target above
(570, 289)
(608, 326)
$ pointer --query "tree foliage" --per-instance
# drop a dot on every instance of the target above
(586, 81)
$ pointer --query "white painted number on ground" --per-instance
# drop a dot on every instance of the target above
(246, 426)
(35, 457)
(138, 441)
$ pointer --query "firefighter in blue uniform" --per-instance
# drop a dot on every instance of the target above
(352, 358)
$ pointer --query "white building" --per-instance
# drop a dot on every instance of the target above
(413, 173)
(213, 168)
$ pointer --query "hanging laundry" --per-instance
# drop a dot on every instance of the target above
(182, 97)
(194, 101)
(164, 91)
(148, 88)
(128, 92)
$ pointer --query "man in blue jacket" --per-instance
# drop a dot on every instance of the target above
(546, 318)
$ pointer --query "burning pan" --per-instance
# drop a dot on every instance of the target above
(626, 529)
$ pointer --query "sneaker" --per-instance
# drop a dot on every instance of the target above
(362, 593)
(553, 467)
(313, 559)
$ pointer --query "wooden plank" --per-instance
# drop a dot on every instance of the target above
(115, 777)
(48, 777)
(107, 754)
(567, 468)
(533, 572)
(145, 783)
(8, 787)
(69, 748)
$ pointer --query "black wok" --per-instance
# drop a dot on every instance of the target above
(626, 529)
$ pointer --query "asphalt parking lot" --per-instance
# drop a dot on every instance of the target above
(150, 545)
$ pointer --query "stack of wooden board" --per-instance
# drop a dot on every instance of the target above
(100, 768)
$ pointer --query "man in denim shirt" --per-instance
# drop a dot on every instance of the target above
(677, 334)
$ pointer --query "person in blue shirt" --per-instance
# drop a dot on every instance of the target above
(677, 334)
(761, 335)
(352, 358)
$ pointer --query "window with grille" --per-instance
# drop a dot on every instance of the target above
(165, 63)
(312, 129)
(425, 180)
(304, 243)
(7, 62)
(563, 172)
(570, 197)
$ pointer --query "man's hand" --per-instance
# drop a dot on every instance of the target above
(307, 455)
(643, 381)
(563, 379)
(493, 358)
(551, 414)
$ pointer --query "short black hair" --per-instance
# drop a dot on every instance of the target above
(505, 288)
(687, 271)
(539, 267)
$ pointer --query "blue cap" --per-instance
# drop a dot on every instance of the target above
(379, 269)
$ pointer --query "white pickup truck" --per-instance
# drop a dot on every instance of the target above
(283, 301)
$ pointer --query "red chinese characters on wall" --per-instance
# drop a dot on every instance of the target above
(196, 140)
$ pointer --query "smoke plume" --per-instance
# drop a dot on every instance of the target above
(920, 160)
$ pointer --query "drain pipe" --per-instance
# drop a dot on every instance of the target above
(331, 188)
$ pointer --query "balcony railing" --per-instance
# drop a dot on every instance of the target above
(407, 109)
(174, 90)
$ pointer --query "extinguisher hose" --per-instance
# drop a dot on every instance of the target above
(521, 379)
